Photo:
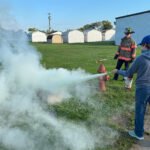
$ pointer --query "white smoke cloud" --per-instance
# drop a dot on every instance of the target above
(26, 88)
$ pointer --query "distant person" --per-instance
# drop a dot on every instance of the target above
(141, 66)
(126, 51)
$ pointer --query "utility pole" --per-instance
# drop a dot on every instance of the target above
(49, 20)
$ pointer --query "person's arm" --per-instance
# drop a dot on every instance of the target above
(122, 72)
(133, 69)
(133, 50)
(128, 73)
(117, 53)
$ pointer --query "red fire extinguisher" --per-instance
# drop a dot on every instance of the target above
(102, 79)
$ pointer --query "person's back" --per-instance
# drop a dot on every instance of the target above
(143, 69)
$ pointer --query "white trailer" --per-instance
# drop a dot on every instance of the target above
(73, 36)
(92, 35)
(38, 36)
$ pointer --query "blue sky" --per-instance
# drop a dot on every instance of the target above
(71, 14)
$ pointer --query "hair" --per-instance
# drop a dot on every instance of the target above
(127, 33)
(147, 46)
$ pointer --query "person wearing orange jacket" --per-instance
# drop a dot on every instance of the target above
(126, 51)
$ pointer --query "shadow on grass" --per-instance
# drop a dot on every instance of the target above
(124, 142)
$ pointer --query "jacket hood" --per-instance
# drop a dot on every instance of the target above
(146, 54)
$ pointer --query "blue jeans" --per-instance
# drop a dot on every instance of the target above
(142, 97)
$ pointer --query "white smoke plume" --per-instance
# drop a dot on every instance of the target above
(26, 88)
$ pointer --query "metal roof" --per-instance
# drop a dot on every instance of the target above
(148, 11)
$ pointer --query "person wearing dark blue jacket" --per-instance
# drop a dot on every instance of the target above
(141, 66)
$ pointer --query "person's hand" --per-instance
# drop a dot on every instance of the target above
(114, 71)
(132, 59)
(116, 56)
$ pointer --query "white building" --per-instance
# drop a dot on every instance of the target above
(73, 36)
(110, 35)
(139, 22)
(38, 36)
(92, 36)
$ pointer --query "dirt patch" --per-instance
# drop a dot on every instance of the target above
(121, 120)
(145, 144)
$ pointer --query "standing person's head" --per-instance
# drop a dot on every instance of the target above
(128, 31)
(145, 43)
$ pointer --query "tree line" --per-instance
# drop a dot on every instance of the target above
(100, 25)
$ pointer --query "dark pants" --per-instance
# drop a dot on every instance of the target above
(142, 97)
(119, 65)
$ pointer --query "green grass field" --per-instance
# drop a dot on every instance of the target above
(117, 110)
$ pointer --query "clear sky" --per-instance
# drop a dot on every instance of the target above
(71, 14)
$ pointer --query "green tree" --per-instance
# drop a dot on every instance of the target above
(94, 25)
(106, 25)
(101, 25)
(32, 29)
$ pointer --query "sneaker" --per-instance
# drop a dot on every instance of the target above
(132, 134)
